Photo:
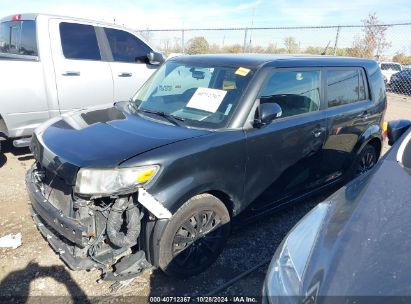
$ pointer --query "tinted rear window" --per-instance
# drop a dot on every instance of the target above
(343, 87)
(79, 41)
(18, 38)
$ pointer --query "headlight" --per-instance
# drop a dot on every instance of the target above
(284, 276)
(112, 181)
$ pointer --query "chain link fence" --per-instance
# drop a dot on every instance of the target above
(390, 43)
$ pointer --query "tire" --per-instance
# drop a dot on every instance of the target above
(186, 248)
(365, 160)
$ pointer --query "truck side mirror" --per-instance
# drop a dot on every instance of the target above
(396, 128)
(267, 112)
(155, 58)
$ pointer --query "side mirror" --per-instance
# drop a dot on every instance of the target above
(267, 112)
(396, 128)
(153, 58)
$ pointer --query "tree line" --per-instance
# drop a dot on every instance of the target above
(371, 43)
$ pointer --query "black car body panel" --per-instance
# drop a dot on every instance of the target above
(247, 164)
(104, 138)
(362, 248)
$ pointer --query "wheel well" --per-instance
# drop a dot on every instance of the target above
(225, 198)
(376, 143)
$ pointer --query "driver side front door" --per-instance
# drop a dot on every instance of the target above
(284, 157)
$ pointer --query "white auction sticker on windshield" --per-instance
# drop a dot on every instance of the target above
(206, 99)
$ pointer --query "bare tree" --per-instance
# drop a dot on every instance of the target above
(373, 42)
(402, 58)
(197, 45)
(291, 45)
(234, 48)
(271, 48)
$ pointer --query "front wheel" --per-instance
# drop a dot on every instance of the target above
(366, 160)
(194, 237)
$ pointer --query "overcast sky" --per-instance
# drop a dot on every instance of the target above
(234, 13)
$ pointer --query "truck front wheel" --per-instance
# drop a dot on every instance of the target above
(194, 237)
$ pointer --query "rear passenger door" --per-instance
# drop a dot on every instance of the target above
(348, 115)
(82, 77)
(127, 63)
(284, 157)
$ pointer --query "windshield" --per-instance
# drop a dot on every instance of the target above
(203, 96)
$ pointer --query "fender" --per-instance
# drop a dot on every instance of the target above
(373, 131)
(154, 230)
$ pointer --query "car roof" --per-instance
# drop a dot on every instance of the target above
(274, 60)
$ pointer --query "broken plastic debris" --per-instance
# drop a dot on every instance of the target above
(11, 241)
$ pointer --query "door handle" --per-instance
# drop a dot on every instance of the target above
(125, 74)
(318, 132)
(71, 73)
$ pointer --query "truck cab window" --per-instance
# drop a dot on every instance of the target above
(296, 92)
(18, 37)
(124, 46)
(79, 41)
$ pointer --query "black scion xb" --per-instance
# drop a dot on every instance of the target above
(158, 180)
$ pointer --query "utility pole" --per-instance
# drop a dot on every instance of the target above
(245, 40)
(182, 42)
(336, 40)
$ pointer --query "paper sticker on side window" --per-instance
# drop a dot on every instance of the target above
(206, 99)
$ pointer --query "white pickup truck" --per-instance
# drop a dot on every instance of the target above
(53, 64)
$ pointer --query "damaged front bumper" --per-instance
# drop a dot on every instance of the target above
(79, 232)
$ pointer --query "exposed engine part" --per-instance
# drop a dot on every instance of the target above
(119, 235)
(128, 267)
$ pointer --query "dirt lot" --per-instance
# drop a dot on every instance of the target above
(35, 270)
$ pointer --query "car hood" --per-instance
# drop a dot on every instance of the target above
(364, 244)
(101, 138)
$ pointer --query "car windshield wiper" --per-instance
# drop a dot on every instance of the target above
(178, 121)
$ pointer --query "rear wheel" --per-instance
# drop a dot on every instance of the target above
(366, 160)
(194, 237)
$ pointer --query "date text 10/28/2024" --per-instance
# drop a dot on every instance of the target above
(203, 299)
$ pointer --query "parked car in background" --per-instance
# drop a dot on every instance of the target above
(206, 140)
(389, 68)
(401, 82)
(53, 64)
(356, 243)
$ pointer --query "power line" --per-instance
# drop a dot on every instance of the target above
(277, 28)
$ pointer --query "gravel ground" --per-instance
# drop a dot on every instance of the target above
(34, 270)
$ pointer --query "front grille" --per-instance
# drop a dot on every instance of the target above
(55, 190)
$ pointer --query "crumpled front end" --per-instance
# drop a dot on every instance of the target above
(86, 233)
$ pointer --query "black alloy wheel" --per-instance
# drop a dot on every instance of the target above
(194, 237)
(367, 159)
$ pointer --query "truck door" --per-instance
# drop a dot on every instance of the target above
(128, 64)
(82, 77)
